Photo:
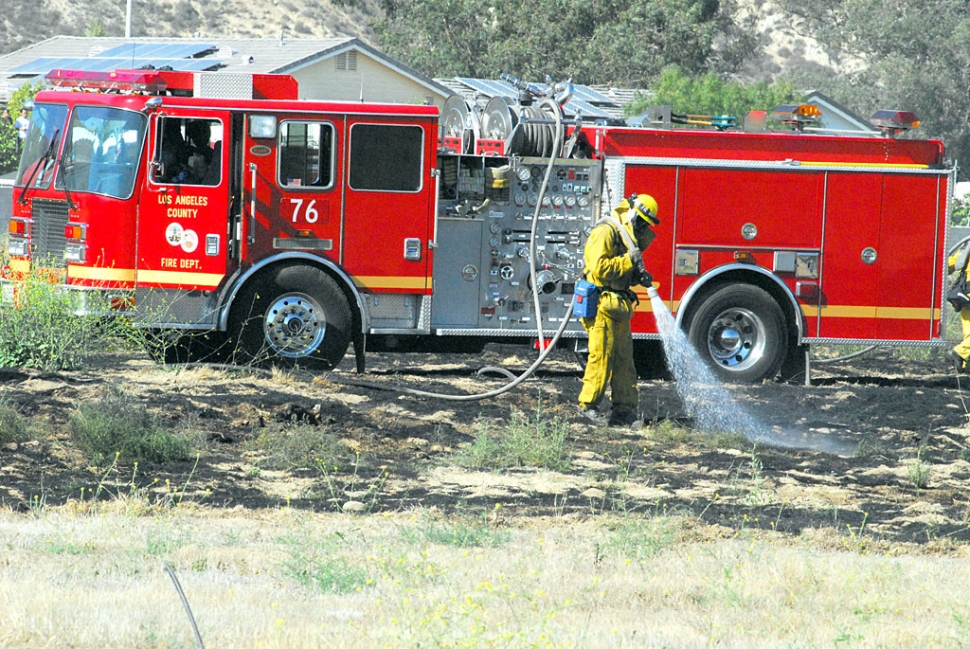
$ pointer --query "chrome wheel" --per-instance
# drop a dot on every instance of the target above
(740, 330)
(736, 339)
(294, 325)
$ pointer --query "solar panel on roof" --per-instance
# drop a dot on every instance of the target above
(584, 108)
(502, 88)
(103, 64)
(490, 88)
(39, 66)
(157, 50)
(593, 96)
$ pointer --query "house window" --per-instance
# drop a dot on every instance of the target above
(347, 61)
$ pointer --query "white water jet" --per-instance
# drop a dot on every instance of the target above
(711, 405)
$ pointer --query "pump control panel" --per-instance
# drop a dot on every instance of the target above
(489, 211)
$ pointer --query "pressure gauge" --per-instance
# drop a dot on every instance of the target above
(520, 199)
(570, 200)
(583, 201)
(532, 200)
(524, 174)
(557, 200)
(495, 227)
(546, 201)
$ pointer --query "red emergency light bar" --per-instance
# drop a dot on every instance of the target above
(894, 120)
(120, 81)
(798, 114)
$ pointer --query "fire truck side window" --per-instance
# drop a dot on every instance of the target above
(306, 154)
(191, 152)
(386, 158)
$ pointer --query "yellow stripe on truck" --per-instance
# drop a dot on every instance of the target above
(382, 281)
(883, 312)
(144, 276)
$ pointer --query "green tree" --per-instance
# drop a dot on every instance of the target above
(9, 152)
(711, 94)
(623, 42)
(95, 29)
(891, 54)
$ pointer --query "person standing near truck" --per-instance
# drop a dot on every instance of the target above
(22, 124)
(613, 263)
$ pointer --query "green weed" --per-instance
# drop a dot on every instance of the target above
(116, 427)
(534, 441)
(304, 446)
(13, 425)
(316, 564)
(919, 472)
(39, 325)
(640, 538)
(459, 533)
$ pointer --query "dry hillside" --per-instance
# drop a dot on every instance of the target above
(23, 22)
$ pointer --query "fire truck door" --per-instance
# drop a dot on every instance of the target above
(389, 212)
(184, 207)
(291, 197)
(850, 256)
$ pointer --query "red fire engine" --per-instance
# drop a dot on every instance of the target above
(219, 203)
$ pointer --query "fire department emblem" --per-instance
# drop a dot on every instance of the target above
(190, 241)
(174, 233)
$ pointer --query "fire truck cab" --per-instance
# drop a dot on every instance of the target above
(286, 229)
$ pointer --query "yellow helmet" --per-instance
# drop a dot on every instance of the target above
(645, 206)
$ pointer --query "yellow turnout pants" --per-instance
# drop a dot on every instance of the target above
(610, 356)
(963, 347)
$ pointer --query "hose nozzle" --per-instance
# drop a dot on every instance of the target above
(652, 292)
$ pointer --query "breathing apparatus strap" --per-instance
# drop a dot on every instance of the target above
(631, 245)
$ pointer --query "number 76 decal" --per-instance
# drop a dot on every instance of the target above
(311, 214)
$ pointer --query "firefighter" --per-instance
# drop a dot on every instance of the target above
(959, 298)
(614, 269)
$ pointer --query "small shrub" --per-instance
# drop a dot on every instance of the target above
(13, 425)
(39, 326)
(302, 447)
(316, 564)
(115, 427)
(641, 538)
(460, 533)
(919, 472)
(533, 442)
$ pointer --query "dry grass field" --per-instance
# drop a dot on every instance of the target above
(321, 511)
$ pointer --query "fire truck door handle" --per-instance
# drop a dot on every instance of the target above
(251, 233)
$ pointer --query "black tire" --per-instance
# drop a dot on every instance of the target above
(176, 347)
(650, 360)
(740, 331)
(296, 316)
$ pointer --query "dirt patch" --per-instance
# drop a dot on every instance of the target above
(904, 423)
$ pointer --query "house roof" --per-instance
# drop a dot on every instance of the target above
(250, 55)
(842, 115)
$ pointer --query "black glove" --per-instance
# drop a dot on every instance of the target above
(641, 275)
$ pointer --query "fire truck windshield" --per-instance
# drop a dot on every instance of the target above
(46, 122)
(101, 151)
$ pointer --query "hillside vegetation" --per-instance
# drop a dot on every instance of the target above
(23, 22)
(866, 54)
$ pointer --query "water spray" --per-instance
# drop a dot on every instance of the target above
(711, 405)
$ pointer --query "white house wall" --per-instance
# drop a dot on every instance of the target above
(322, 80)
